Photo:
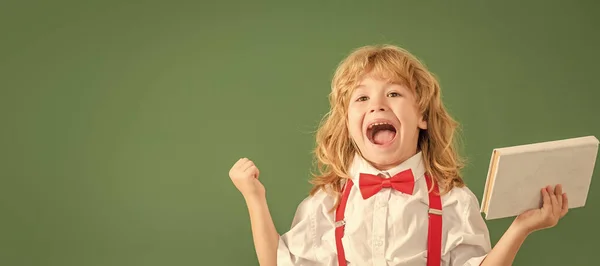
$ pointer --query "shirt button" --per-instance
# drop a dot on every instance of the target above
(378, 243)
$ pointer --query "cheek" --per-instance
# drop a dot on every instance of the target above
(354, 122)
(407, 117)
(353, 116)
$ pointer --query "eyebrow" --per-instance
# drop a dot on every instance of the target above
(386, 86)
(359, 88)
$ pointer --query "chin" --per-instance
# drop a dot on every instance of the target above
(382, 156)
(387, 155)
(383, 161)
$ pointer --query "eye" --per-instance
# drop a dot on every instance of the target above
(394, 94)
(362, 98)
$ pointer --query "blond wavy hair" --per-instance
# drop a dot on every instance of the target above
(335, 149)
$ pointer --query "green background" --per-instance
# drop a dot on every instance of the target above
(120, 119)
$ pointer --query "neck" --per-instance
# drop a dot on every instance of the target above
(388, 166)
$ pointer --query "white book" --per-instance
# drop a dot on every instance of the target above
(517, 174)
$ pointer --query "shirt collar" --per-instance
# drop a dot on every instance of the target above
(360, 165)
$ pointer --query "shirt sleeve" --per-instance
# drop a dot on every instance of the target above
(306, 243)
(469, 243)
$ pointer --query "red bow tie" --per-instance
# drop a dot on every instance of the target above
(371, 184)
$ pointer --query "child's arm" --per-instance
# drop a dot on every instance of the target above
(244, 175)
(555, 206)
(300, 245)
(266, 238)
(506, 249)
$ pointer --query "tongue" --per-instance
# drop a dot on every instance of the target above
(383, 136)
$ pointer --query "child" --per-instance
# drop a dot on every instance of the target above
(389, 191)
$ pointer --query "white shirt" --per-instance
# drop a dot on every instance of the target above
(389, 228)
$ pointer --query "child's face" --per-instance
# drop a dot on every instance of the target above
(384, 121)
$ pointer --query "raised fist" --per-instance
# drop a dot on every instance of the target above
(244, 175)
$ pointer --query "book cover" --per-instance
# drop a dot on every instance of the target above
(517, 174)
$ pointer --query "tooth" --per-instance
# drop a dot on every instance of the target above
(378, 124)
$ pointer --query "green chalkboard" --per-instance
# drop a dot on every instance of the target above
(120, 120)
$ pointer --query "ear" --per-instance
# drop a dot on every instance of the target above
(422, 123)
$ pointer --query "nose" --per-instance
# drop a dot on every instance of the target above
(377, 106)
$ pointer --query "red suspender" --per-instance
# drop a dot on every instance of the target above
(434, 238)
(340, 223)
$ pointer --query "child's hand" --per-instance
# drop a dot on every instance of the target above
(244, 175)
(555, 206)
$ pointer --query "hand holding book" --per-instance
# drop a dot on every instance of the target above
(554, 207)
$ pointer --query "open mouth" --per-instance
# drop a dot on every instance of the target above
(381, 133)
